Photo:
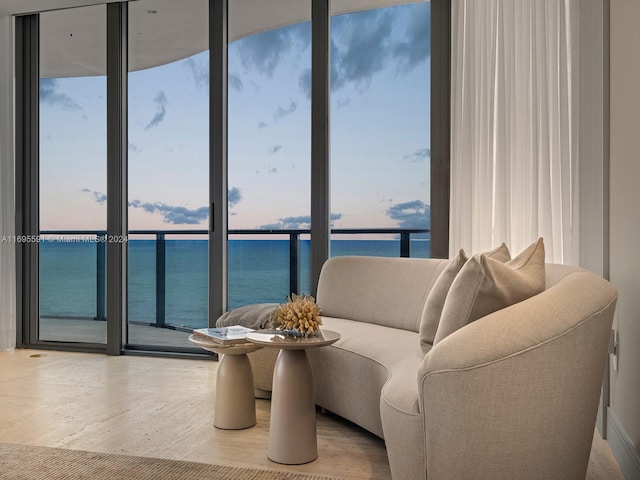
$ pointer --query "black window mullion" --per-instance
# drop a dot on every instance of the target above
(117, 66)
(440, 126)
(27, 176)
(218, 183)
(320, 142)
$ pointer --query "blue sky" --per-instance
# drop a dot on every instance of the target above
(379, 132)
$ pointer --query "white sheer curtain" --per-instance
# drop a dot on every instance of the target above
(7, 217)
(514, 136)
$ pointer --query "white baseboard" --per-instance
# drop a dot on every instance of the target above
(622, 448)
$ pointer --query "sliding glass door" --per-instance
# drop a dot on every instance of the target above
(72, 176)
(168, 157)
(269, 160)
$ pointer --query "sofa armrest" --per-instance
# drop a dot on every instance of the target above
(515, 394)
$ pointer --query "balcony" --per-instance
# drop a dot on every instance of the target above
(166, 301)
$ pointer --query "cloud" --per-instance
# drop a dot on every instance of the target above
(418, 156)
(413, 214)
(261, 125)
(99, 197)
(235, 82)
(304, 82)
(275, 149)
(264, 51)
(174, 214)
(417, 45)
(234, 196)
(161, 102)
(337, 80)
(50, 95)
(134, 148)
(199, 72)
(283, 112)
(365, 43)
(361, 48)
(302, 222)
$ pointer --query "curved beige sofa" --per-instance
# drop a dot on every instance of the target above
(511, 395)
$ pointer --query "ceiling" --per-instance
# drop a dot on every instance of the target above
(73, 40)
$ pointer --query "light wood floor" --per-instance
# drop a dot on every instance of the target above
(160, 407)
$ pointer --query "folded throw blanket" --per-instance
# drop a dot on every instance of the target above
(256, 316)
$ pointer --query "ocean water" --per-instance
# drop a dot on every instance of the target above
(258, 271)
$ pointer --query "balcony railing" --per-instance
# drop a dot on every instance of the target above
(294, 235)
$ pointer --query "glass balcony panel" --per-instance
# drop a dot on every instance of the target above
(258, 269)
(187, 295)
(141, 279)
(376, 245)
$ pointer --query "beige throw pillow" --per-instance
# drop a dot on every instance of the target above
(435, 301)
(485, 285)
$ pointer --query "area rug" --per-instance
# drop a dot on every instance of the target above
(28, 462)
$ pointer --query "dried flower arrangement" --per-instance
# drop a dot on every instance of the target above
(300, 314)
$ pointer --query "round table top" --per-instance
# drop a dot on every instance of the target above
(288, 342)
(237, 349)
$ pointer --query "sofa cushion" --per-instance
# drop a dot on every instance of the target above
(438, 294)
(485, 285)
(350, 375)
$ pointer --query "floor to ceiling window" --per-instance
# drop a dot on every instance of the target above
(269, 161)
(380, 129)
(168, 158)
(72, 175)
(191, 140)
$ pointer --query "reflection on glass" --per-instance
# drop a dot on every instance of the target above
(380, 114)
(269, 153)
(72, 177)
(168, 159)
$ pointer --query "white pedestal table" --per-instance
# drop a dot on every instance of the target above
(235, 406)
(292, 431)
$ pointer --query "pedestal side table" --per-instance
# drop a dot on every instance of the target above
(235, 406)
(292, 431)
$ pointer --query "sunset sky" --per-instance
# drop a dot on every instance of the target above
(379, 132)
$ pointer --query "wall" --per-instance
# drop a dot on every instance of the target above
(624, 412)
(7, 219)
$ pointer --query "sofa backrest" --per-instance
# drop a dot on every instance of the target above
(385, 291)
(554, 273)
